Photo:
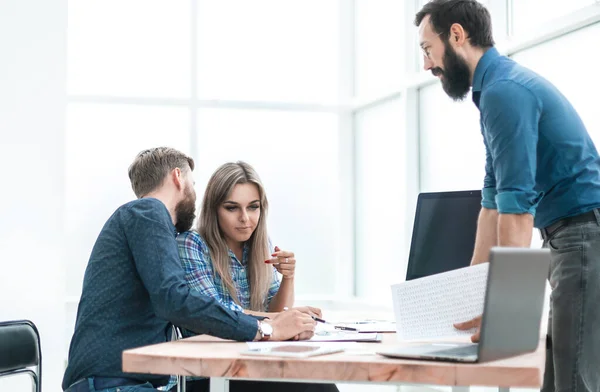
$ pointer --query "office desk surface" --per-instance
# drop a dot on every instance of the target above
(213, 357)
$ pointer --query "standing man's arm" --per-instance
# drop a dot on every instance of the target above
(495, 229)
(487, 235)
(487, 224)
(515, 230)
(504, 229)
(510, 115)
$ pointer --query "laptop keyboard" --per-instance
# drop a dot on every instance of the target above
(464, 351)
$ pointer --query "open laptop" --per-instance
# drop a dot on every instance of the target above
(443, 236)
(512, 311)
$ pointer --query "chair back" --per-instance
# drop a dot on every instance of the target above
(20, 349)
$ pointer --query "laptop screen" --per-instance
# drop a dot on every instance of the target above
(444, 230)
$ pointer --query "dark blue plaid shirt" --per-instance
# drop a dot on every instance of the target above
(200, 274)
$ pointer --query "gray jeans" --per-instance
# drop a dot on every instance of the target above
(573, 354)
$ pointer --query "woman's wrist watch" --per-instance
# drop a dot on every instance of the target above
(265, 330)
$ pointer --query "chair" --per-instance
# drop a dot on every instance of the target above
(20, 349)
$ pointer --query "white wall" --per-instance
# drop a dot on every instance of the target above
(32, 99)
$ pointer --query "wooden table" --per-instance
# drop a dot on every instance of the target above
(221, 360)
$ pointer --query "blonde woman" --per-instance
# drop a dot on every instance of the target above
(229, 257)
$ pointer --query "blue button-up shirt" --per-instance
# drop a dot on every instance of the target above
(539, 157)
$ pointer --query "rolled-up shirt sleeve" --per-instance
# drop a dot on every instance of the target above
(488, 193)
(510, 121)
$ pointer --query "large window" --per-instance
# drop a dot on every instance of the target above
(379, 48)
(452, 154)
(268, 50)
(382, 156)
(223, 81)
(320, 96)
(129, 48)
(530, 15)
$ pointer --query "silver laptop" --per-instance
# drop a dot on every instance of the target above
(512, 311)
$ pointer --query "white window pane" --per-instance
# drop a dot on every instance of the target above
(451, 145)
(559, 61)
(544, 11)
(268, 50)
(380, 59)
(381, 178)
(101, 143)
(129, 48)
(296, 156)
(19, 381)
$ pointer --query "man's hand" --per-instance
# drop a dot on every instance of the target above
(292, 323)
(304, 335)
(473, 323)
(311, 311)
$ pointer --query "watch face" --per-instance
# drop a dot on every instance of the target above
(266, 329)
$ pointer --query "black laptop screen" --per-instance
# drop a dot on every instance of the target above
(443, 232)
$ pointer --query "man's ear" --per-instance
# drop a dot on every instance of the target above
(458, 35)
(177, 177)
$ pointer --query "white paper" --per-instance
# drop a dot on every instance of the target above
(427, 308)
(370, 325)
(344, 345)
(346, 336)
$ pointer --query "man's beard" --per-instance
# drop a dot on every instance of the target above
(456, 77)
(185, 211)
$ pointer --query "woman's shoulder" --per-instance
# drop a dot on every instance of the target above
(191, 235)
(191, 239)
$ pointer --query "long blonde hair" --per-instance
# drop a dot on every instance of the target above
(219, 187)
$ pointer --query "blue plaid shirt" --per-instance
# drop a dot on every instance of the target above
(200, 275)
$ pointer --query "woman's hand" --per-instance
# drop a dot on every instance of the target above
(284, 262)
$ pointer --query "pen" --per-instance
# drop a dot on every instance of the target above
(345, 328)
(335, 326)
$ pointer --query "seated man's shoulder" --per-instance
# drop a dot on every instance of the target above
(142, 212)
(145, 206)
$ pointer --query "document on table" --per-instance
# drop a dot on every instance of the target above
(291, 349)
(344, 336)
(344, 345)
(427, 308)
(370, 325)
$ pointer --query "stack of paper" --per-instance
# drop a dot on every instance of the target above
(427, 308)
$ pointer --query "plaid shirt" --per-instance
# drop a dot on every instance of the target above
(200, 275)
